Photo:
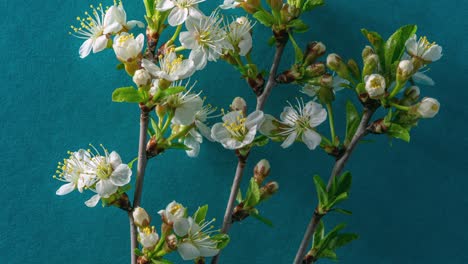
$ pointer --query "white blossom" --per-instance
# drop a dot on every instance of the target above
(239, 35)
(186, 105)
(181, 10)
(115, 20)
(205, 38)
(174, 214)
(197, 241)
(127, 47)
(171, 67)
(148, 237)
(375, 85)
(237, 131)
(141, 77)
(423, 49)
(74, 172)
(195, 136)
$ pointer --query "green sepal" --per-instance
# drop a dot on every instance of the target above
(252, 197)
(260, 141)
(130, 164)
(222, 239)
(200, 215)
(298, 26)
(138, 252)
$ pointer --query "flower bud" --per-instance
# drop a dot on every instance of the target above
(428, 108)
(256, 83)
(141, 217)
(371, 64)
(289, 76)
(239, 104)
(336, 63)
(261, 171)
(367, 51)
(315, 70)
(268, 190)
(250, 6)
(314, 50)
(378, 127)
(141, 77)
(326, 80)
(171, 242)
(375, 85)
(413, 93)
(405, 70)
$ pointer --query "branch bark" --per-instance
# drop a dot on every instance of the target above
(261, 100)
(337, 169)
(142, 160)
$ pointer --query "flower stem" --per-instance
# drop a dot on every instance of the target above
(142, 159)
(337, 169)
(400, 107)
(332, 123)
(176, 34)
(396, 90)
(181, 48)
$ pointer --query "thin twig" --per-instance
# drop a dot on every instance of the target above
(142, 160)
(338, 167)
(261, 100)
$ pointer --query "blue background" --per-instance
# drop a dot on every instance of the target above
(409, 200)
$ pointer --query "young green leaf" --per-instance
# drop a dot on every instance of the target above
(342, 211)
(343, 239)
(397, 131)
(395, 45)
(254, 214)
(222, 239)
(264, 17)
(298, 26)
(310, 5)
(327, 253)
(200, 214)
(344, 183)
(341, 197)
(318, 234)
(253, 194)
(352, 121)
(321, 190)
(127, 94)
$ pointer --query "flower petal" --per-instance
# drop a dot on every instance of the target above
(194, 145)
(93, 201)
(105, 188)
(254, 119)
(114, 159)
(132, 23)
(121, 175)
(181, 227)
(65, 189)
(195, 13)
(199, 58)
(208, 250)
(113, 28)
(423, 79)
(289, 140)
(152, 68)
(188, 251)
(177, 16)
(311, 138)
(267, 125)
(100, 44)
(219, 132)
(165, 5)
(86, 48)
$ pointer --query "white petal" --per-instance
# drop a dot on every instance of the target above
(289, 115)
(311, 138)
(188, 40)
(114, 159)
(152, 68)
(254, 119)
(204, 130)
(199, 58)
(65, 189)
(188, 251)
(121, 175)
(423, 79)
(412, 45)
(113, 28)
(208, 250)
(318, 117)
(195, 13)
(181, 227)
(289, 140)
(250, 136)
(165, 5)
(230, 143)
(100, 44)
(86, 48)
(111, 16)
(267, 126)
(310, 90)
(245, 45)
(434, 53)
(185, 115)
(93, 201)
(177, 16)
(105, 188)
(219, 132)
(194, 145)
(232, 117)
(132, 23)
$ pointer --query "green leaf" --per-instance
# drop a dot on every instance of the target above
(321, 190)
(318, 234)
(343, 239)
(264, 17)
(154, 127)
(261, 141)
(344, 183)
(253, 194)
(341, 197)
(200, 214)
(298, 26)
(343, 211)
(352, 121)
(127, 94)
(329, 254)
(171, 91)
(310, 5)
(397, 131)
(395, 45)
(260, 218)
(222, 239)
(239, 196)
(377, 42)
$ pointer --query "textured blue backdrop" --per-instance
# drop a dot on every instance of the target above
(409, 200)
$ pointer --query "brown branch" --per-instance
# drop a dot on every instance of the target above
(337, 169)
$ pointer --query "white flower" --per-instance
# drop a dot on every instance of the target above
(172, 68)
(181, 10)
(423, 49)
(375, 85)
(141, 217)
(186, 106)
(91, 29)
(198, 242)
(240, 35)
(229, 4)
(300, 122)
(429, 107)
(115, 20)
(237, 131)
(173, 214)
(75, 172)
(338, 85)
(195, 136)
(141, 77)
(205, 38)
(148, 237)
(127, 47)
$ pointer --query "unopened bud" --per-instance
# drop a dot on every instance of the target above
(378, 127)
(413, 93)
(256, 83)
(375, 85)
(268, 190)
(371, 64)
(315, 70)
(261, 171)
(141, 77)
(366, 52)
(141, 217)
(289, 76)
(171, 242)
(336, 63)
(428, 108)
(314, 51)
(251, 6)
(239, 104)
(405, 70)
(326, 80)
